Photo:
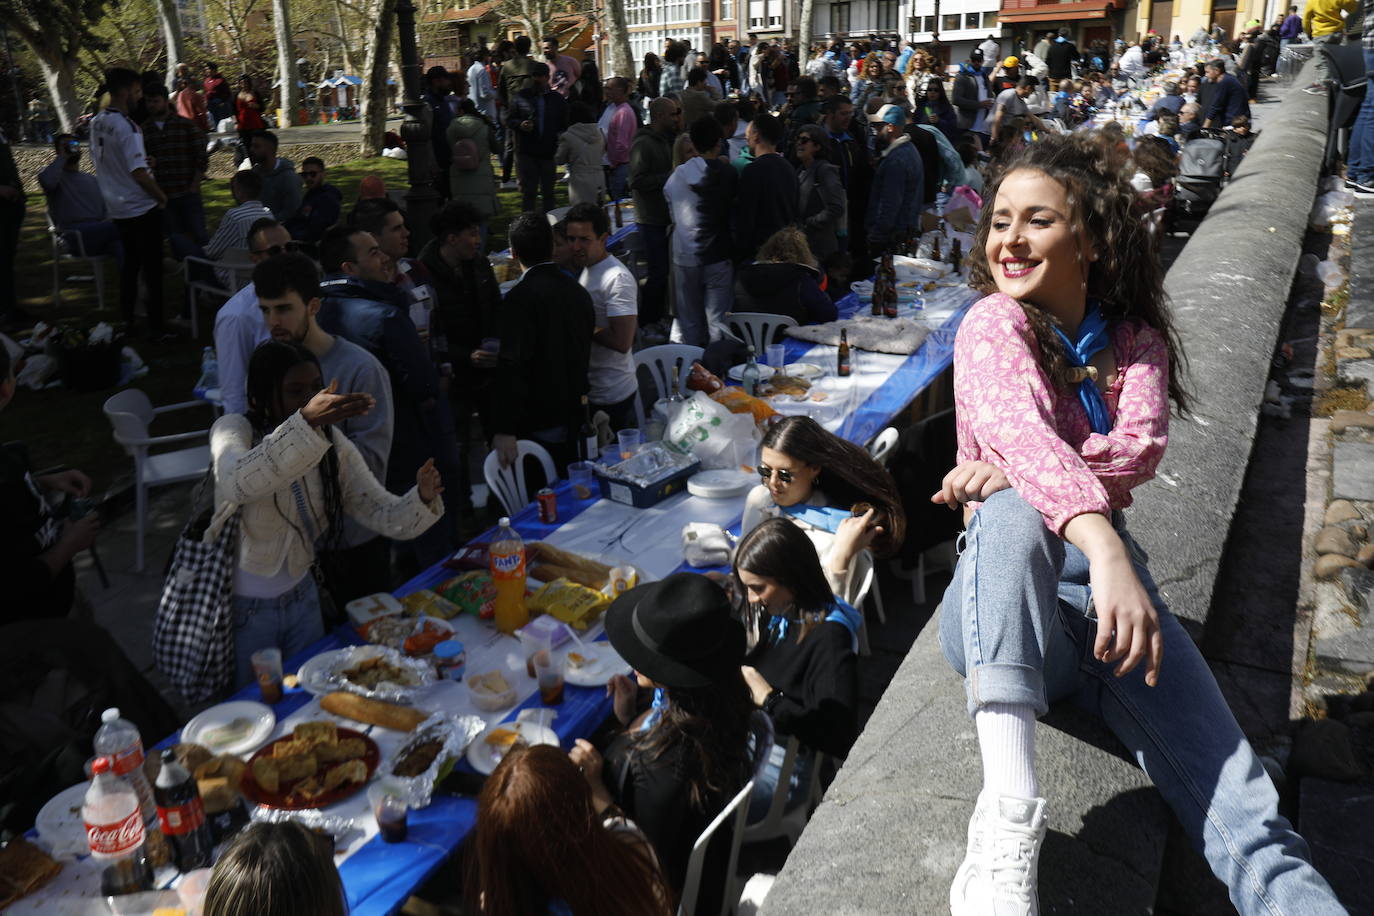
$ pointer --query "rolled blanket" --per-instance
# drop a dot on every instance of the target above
(902, 336)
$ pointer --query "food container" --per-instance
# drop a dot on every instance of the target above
(362, 611)
(452, 733)
(650, 477)
(450, 658)
(487, 698)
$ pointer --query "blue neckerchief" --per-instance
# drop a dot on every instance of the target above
(841, 612)
(1092, 339)
(826, 518)
(656, 710)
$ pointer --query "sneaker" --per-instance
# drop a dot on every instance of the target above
(998, 874)
(1361, 189)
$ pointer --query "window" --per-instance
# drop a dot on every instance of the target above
(927, 23)
(971, 20)
(950, 22)
(885, 16)
(990, 21)
(727, 9)
(839, 18)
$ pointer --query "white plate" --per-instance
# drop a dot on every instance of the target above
(482, 756)
(61, 829)
(260, 720)
(598, 673)
(804, 370)
(720, 484)
(736, 373)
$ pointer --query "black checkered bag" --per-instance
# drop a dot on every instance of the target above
(193, 633)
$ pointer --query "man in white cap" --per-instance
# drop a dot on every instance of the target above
(894, 202)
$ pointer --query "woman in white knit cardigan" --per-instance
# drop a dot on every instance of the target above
(295, 477)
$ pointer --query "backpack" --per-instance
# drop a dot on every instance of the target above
(1204, 159)
(465, 155)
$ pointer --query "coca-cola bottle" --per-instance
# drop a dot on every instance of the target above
(115, 831)
(119, 740)
(181, 815)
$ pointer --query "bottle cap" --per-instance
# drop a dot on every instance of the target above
(504, 522)
(449, 648)
(110, 714)
(101, 765)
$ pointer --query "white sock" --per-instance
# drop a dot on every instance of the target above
(1006, 739)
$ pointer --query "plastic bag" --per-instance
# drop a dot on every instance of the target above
(704, 544)
(736, 401)
(709, 432)
(1328, 206)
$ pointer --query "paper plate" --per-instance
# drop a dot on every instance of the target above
(60, 826)
(483, 756)
(804, 370)
(231, 728)
(596, 674)
(736, 373)
(720, 484)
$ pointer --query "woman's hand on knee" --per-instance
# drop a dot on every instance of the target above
(1127, 622)
(971, 481)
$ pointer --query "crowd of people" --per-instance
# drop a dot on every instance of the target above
(354, 370)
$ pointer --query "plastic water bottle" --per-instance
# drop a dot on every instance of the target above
(115, 831)
(209, 372)
(507, 558)
(119, 740)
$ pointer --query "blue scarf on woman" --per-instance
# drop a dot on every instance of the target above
(1092, 339)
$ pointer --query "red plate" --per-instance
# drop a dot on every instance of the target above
(257, 794)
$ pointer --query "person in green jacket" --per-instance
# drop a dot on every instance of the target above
(471, 177)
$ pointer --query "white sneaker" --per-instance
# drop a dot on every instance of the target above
(998, 874)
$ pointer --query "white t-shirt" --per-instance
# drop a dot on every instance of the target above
(116, 152)
(682, 206)
(615, 294)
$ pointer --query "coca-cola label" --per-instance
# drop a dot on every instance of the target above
(110, 841)
(182, 819)
(127, 760)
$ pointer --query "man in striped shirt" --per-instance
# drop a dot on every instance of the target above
(232, 233)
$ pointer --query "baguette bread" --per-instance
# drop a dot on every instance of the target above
(549, 563)
(373, 712)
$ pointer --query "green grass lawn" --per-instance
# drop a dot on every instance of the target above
(67, 427)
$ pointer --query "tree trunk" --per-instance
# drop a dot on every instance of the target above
(622, 62)
(376, 100)
(172, 37)
(344, 41)
(59, 73)
(286, 62)
(804, 32)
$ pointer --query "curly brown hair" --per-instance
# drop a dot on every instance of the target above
(1128, 278)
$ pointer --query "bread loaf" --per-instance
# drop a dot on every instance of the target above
(373, 712)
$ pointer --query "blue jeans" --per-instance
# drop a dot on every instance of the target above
(704, 294)
(185, 222)
(616, 178)
(1018, 623)
(98, 237)
(290, 622)
(766, 781)
(1360, 164)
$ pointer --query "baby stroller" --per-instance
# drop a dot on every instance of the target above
(1201, 172)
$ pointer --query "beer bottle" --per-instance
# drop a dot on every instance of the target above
(842, 367)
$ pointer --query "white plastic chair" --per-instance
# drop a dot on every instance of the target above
(883, 445)
(867, 575)
(68, 248)
(661, 361)
(509, 483)
(758, 329)
(737, 810)
(131, 413)
(204, 275)
(779, 821)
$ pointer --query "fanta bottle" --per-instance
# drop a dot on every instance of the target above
(507, 555)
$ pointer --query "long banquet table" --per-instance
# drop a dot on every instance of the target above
(379, 876)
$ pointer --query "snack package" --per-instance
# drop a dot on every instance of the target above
(472, 592)
(574, 604)
(736, 401)
(426, 603)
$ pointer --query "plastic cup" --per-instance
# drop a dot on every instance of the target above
(776, 354)
(267, 672)
(582, 478)
(390, 808)
(548, 671)
(630, 441)
(610, 454)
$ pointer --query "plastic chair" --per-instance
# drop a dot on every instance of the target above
(759, 329)
(69, 248)
(780, 822)
(736, 811)
(883, 445)
(509, 483)
(867, 575)
(131, 413)
(661, 361)
(203, 275)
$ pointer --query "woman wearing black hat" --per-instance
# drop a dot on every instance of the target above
(679, 761)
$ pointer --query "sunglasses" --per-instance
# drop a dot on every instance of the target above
(784, 477)
(275, 250)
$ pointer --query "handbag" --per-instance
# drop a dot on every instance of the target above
(193, 632)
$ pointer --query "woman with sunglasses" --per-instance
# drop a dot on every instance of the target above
(801, 664)
(797, 455)
(823, 204)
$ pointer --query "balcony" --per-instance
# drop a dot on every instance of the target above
(1054, 10)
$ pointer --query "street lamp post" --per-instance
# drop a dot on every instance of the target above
(421, 199)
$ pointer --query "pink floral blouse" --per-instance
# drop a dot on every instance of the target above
(1010, 415)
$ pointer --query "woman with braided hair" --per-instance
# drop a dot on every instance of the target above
(295, 477)
(1063, 378)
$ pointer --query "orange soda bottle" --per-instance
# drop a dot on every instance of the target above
(507, 557)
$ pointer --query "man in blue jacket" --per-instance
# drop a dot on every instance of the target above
(894, 202)
(537, 116)
(1228, 100)
(361, 305)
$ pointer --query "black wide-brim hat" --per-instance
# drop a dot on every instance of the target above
(678, 632)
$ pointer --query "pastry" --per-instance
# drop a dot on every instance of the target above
(267, 775)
